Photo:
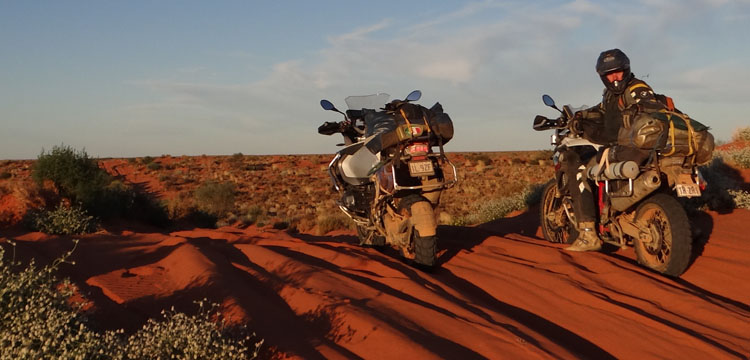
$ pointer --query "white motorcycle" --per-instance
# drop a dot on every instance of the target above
(388, 175)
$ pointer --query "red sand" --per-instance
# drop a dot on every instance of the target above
(501, 292)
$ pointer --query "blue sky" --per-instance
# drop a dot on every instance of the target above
(135, 78)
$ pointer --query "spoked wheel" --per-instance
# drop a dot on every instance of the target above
(556, 226)
(369, 237)
(664, 241)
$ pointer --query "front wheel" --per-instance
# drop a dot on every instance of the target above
(556, 226)
(664, 242)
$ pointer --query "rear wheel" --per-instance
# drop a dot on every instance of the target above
(664, 243)
(423, 219)
(556, 226)
(369, 237)
(425, 250)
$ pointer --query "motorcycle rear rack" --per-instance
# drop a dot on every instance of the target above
(628, 194)
(442, 185)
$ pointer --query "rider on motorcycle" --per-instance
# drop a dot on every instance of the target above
(624, 96)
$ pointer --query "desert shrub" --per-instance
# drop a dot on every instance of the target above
(741, 134)
(236, 160)
(5, 175)
(740, 198)
(280, 224)
(328, 223)
(201, 218)
(214, 198)
(723, 192)
(501, 207)
(740, 157)
(178, 206)
(38, 321)
(253, 214)
(63, 220)
(153, 166)
(180, 336)
(80, 179)
(256, 167)
(147, 160)
(76, 175)
(477, 157)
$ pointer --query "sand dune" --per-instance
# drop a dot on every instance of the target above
(501, 292)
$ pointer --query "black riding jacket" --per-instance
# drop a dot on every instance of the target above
(600, 124)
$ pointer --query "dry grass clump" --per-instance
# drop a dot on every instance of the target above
(500, 207)
(215, 198)
(741, 134)
(63, 220)
(723, 191)
(37, 321)
(328, 223)
(739, 157)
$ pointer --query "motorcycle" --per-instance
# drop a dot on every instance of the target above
(388, 175)
(637, 203)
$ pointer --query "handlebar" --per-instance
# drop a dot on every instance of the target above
(330, 128)
(543, 123)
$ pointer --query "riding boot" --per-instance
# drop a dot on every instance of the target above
(587, 239)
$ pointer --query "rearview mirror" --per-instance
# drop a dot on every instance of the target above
(327, 105)
(548, 100)
(414, 95)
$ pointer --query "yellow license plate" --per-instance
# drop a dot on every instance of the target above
(421, 168)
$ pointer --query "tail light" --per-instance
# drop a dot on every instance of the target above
(702, 184)
(418, 149)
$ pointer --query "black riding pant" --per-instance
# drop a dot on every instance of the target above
(578, 185)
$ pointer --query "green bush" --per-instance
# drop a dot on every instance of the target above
(153, 166)
(147, 160)
(80, 179)
(37, 321)
(61, 221)
(214, 198)
(5, 175)
(76, 175)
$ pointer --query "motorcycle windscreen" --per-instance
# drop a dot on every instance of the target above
(355, 168)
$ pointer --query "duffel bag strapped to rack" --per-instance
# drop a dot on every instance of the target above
(686, 137)
(672, 133)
